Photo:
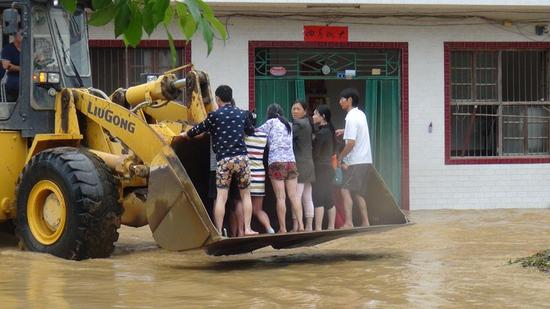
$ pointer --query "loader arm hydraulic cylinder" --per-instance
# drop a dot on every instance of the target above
(175, 212)
(166, 87)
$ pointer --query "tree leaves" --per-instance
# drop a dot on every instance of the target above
(194, 8)
(102, 16)
(132, 34)
(148, 19)
(168, 17)
(218, 26)
(207, 22)
(122, 17)
(100, 4)
(173, 51)
(159, 10)
(69, 5)
(207, 34)
(187, 24)
(132, 17)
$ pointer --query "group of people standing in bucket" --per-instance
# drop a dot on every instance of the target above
(300, 163)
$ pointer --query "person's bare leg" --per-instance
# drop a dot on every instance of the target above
(295, 201)
(279, 190)
(239, 217)
(348, 209)
(294, 223)
(319, 212)
(362, 204)
(307, 202)
(299, 191)
(247, 210)
(331, 216)
(261, 215)
(219, 208)
(308, 227)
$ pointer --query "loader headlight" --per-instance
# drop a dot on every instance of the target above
(43, 78)
(53, 78)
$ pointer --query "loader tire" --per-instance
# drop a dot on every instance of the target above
(67, 205)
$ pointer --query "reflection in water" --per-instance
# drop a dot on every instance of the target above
(42, 285)
(427, 278)
(278, 261)
(447, 259)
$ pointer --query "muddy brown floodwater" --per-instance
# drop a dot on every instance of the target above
(450, 259)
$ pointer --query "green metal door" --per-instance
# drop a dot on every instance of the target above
(281, 91)
(382, 105)
(378, 69)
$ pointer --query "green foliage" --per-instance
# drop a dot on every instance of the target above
(540, 260)
(103, 16)
(122, 18)
(132, 17)
(70, 5)
(133, 33)
(173, 52)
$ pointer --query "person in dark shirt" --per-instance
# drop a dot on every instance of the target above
(323, 150)
(2, 72)
(10, 63)
(227, 127)
(302, 133)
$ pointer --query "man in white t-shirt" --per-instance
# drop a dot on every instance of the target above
(355, 157)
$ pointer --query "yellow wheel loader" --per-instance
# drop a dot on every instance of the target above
(76, 163)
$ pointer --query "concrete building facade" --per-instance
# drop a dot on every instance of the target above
(469, 87)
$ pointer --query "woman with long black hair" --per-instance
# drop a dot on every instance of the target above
(323, 149)
(302, 134)
(282, 165)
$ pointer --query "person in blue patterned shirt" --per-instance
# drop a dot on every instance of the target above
(227, 127)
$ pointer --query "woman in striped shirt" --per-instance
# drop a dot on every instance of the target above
(255, 146)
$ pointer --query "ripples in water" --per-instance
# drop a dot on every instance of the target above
(447, 259)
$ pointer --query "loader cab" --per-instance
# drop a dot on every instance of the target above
(53, 55)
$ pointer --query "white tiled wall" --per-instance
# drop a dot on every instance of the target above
(432, 183)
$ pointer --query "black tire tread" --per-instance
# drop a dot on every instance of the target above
(96, 199)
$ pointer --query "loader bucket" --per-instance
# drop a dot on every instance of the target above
(176, 214)
(238, 245)
(384, 214)
(178, 217)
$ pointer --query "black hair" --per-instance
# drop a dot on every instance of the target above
(304, 106)
(225, 93)
(302, 103)
(324, 111)
(351, 93)
(276, 111)
(251, 117)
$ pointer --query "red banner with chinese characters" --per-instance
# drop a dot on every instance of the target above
(325, 34)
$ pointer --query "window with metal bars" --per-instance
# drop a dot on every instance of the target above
(499, 103)
(309, 63)
(116, 67)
